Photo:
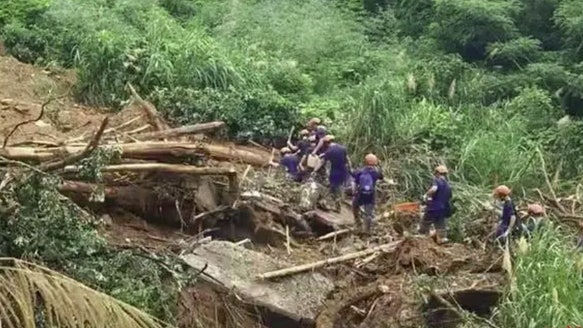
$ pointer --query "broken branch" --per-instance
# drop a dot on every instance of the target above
(75, 157)
(315, 265)
(40, 115)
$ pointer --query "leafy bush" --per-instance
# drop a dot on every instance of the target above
(255, 114)
(39, 225)
(21, 10)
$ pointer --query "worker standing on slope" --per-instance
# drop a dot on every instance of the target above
(320, 132)
(365, 180)
(508, 216)
(302, 146)
(307, 160)
(290, 163)
(312, 124)
(438, 209)
(340, 165)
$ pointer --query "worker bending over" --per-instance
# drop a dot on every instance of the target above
(340, 165)
(365, 180)
(290, 163)
(533, 220)
(508, 215)
(438, 205)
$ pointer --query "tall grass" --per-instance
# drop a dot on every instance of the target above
(548, 284)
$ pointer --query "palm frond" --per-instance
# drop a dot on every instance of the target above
(30, 293)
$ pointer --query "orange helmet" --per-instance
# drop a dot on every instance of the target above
(536, 209)
(329, 138)
(285, 150)
(502, 190)
(371, 159)
(304, 132)
(441, 169)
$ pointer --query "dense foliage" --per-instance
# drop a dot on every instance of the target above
(38, 224)
(478, 84)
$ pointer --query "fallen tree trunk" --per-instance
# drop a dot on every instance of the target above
(144, 150)
(315, 265)
(183, 130)
(159, 167)
(173, 168)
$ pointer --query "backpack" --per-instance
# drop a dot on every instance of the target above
(365, 183)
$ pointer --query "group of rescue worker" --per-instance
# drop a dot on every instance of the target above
(307, 158)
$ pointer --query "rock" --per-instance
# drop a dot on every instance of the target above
(41, 124)
(106, 220)
(7, 101)
(235, 268)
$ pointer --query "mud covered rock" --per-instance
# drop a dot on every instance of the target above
(235, 268)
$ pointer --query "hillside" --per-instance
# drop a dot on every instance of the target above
(490, 88)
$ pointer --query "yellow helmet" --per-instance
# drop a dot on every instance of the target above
(285, 150)
(441, 169)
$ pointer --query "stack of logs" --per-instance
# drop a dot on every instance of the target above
(154, 156)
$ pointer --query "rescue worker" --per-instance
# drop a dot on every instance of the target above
(533, 220)
(438, 205)
(508, 216)
(304, 167)
(290, 163)
(312, 124)
(337, 155)
(365, 180)
(320, 133)
(302, 146)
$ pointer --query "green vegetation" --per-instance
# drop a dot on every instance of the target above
(477, 84)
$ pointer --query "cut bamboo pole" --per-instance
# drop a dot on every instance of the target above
(315, 265)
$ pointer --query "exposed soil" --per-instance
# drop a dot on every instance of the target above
(381, 290)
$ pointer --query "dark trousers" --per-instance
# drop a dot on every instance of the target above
(438, 219)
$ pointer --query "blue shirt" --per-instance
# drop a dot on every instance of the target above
(376, 176)
(290, 163)
(441, 198)
(303, 147)
(507, 213)
(337, 155)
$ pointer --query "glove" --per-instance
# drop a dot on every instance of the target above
(426, 199)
